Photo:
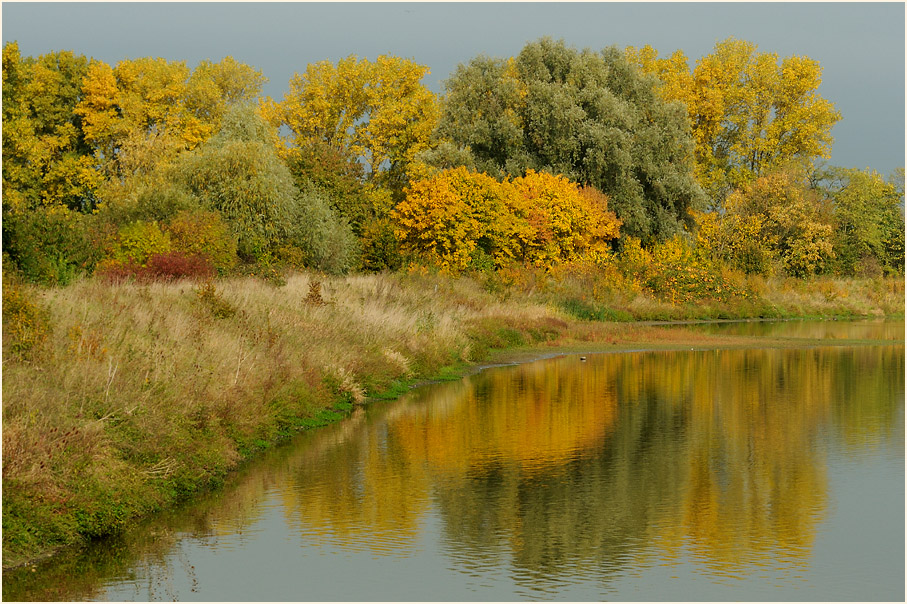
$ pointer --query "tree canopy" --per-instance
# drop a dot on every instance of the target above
(378, 111)
(143, 112)
(751, 114)
(590, 116)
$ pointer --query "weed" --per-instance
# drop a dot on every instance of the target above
(314, 297)
(25, 323)
(212, 301)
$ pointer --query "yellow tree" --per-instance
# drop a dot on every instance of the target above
(793, 222)
(565, 221)
(378, 111)
(458, 217)
(750, 113)
(46, 162)
(49, 176)
(141, 113)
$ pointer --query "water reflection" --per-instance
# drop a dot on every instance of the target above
(547, 477)
(870, 329)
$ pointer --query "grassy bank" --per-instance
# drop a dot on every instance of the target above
(120, 400)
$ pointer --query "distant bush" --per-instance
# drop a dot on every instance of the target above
(50, 246)
(25, 323)
(204, 234)
(178, 265)
(138, 241)
(159, 267)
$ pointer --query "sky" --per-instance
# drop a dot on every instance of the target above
(859, 45)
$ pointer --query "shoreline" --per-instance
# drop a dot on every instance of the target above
(218, 391)
(522, 355)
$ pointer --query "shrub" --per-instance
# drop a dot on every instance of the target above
(462, 219)
(118, 271)
(159, 267)
(565, 221)
(205, 234)
(677, 274)
(138, 241)
(50, 245)
(177, 265)
(213, 302)
(146, 198)
(380, 248)
(25, 323)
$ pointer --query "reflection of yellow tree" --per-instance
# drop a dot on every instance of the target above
(537, 416)
(564, 465)
(756, 487)
(361, 491)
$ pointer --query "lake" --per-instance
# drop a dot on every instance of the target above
(755, 474)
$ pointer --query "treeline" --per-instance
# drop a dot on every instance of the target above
(616, 160)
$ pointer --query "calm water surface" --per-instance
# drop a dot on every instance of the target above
(763, 474)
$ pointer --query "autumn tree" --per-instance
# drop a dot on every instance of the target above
(750, 112)
(46, 161)
(589, 116)
(792, 220)
(565, 221)
(378, 111)
(239, 174)
(869, 221)
(463, 219)
(456, 218)
(143, 112)
(49, 177)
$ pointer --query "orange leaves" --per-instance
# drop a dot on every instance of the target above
(538, 218)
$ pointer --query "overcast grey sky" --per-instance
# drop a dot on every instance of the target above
(859, 45)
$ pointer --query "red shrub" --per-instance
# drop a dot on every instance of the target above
(176, 265)
(160, 267)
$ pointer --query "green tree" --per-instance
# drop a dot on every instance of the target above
(338, 174)
(239, 174)
(590, 116)
(869, 221)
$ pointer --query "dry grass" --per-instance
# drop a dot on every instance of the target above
(146, 392)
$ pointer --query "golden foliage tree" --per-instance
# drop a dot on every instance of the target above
(375, 110)
(458, 217)
(141, 113)
(565, 221)
(751, 114)
(795, 223)
(46, 162)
